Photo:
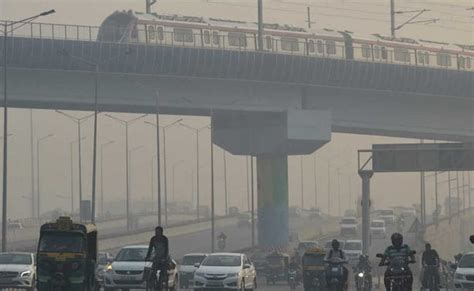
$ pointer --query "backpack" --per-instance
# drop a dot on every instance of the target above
(340, 254)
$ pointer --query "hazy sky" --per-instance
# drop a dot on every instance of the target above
(361, 17)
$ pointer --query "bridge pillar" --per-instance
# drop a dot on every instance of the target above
(272, 185)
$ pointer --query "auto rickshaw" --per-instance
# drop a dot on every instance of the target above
(314, 267)
(67, 255)
(277, 267)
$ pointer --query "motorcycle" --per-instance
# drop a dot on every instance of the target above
(430, 278)
(221, 244)
(398, 269)
(335, 275)
(363, 279)
(292, 279)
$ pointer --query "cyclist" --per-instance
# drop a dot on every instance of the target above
(160, 249)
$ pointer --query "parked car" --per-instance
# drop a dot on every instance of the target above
(225, 271)
(378, 228)
(464, 275)
(353, 249)
(17, 270)
(126, 271)
(103, 260)
(188, 267)
(349, 226)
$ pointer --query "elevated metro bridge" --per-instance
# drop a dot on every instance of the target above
(263, 104)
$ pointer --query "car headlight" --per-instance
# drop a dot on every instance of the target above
(199, 274)
(459, 276)
(231, 275)
(25, 274)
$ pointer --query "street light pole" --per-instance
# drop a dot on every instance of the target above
(302, 182)
(260, 25)
(213, 230)
(38, 143)
(315, 184)
(6, 26)
(164, 128)
(126, 124)
(102, 146)
(225, 185)
(32, 169)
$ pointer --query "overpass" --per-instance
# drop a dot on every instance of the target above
(261, 104)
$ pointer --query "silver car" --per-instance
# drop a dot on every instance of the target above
(17, 270)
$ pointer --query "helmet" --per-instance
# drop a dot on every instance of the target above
(397, 240)
(428, 246)
(335, 244)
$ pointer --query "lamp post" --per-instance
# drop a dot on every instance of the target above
(9, 27)
(164, 128)
(175, 165)
(102, 147)
(78, 121)
(196, 131)
(96, 66)
(71, 148)
(302, 182)
(38, 144)
(130, 156)
(126, 124)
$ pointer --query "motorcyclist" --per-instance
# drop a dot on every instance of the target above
(159, 247)
(398, 249)
(364, 266)
(430, 257)
(335, 253)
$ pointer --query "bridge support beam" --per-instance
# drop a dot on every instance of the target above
(272, 185)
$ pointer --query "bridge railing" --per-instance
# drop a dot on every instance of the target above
(244, 42)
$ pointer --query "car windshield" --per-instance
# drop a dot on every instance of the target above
(15, 259)
(349, 221)
(377, 224)
(131, 255)
(353, 246)
(467, 261)
(65, 242)
(386, 212)
(222, 261)
(307, 245)
(192, 260)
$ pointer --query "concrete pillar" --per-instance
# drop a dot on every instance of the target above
(272, 191)
(365, 175)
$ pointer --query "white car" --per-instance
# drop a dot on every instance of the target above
(225, 271)
(17, 270)
(464, 275)
(388, 215)
(349, 226)
(353, 250)
(126, 271)
(187, 267)
(378, 228)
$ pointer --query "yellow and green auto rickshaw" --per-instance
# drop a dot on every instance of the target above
(277, 267)
(66, 258)
(314, 267)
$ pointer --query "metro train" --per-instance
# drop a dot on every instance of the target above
(190, 31)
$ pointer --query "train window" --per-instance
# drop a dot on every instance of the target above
(331, 47)
(427, 58)
(443, 60)
(421, 58)
(366, 51)
(384, 54)
(269, 43)
(151, 32)
(290, 44)
(183, 35)
(237, 39)
(320, 46)
(206, 37)
(401, 55)
(159, 33)
(462, 63)
(311, 46)
(215, 38)
(376, 52)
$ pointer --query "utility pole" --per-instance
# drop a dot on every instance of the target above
(225, 185)
(392, 18)
(309, 17)
(148, 4)
(315, 184)
(260, 25)
(302, 182)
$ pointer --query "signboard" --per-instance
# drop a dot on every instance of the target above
(423, 157)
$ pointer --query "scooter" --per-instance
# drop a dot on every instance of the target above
(292, 279)
(398, 269)
(363, 279)
(335, 275)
